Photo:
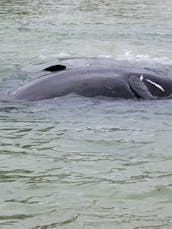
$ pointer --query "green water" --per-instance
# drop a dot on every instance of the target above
(75, 162)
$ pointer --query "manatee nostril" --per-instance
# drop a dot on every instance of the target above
(55, 68)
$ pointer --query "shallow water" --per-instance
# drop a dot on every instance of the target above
(75, 162)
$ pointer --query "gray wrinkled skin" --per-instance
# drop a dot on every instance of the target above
(98, 77)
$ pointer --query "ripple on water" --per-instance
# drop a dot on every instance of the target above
(86, 165)
(75, 162)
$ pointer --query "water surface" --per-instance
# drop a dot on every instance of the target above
(76, 162)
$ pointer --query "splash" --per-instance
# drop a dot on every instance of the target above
(129, 56)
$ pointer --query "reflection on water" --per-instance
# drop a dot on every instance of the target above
(75, 162)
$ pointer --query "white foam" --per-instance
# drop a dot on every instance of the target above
(147, 58)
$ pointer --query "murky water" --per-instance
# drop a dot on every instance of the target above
(75, 162)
